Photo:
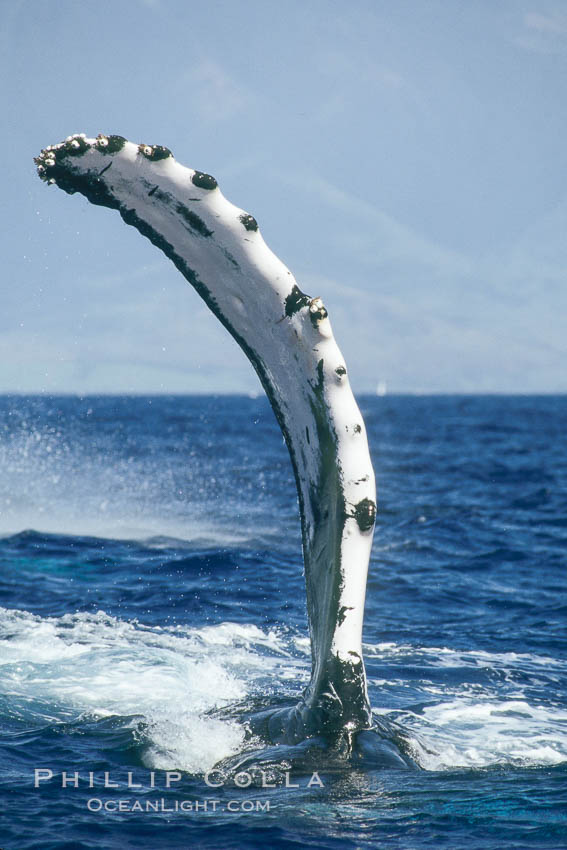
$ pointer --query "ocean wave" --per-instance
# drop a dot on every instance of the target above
(170, 686)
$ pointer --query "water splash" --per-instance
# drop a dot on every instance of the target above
(174, 687)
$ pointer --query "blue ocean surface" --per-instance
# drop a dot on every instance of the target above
(152, 592)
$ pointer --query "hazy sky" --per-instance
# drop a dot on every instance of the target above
(407, 160)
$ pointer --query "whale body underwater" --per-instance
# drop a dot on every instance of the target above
(287, 337)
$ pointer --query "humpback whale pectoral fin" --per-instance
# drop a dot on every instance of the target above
(222, 254)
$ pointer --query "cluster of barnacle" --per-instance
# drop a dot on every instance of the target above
(75, 145)
(365, 514)
(154, 152)
(249, 222)
(49, 157)
(317, 311)
(204, 181)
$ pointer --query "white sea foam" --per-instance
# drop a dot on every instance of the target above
(165, 681)
(473, 724)
(472, 733)
(442, 656)
(82, 664)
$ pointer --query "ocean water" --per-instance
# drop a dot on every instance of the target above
(152, 592)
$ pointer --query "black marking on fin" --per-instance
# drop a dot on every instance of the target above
(295, 301)
(342, 614)
(91, 187)
(193, 220)
(230, 258)
(100, 173)
(151, 192)
(340, 370)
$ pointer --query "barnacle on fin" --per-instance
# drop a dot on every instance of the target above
(154, 152)
(249, 222)
(204, 181)
(317, 311)
(365, 514)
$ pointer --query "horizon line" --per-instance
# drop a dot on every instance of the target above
(253, 396)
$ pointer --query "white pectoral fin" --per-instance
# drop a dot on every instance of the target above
(288, 338)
